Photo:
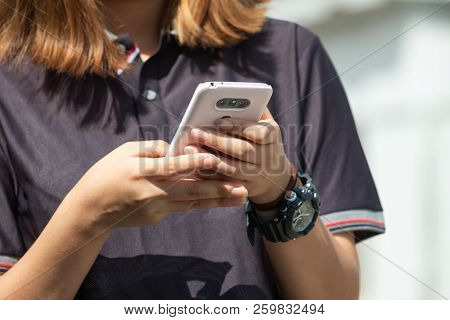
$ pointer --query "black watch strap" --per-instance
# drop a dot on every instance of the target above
(274, 230)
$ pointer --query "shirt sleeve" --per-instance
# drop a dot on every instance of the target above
(11, 243)
(332, 153)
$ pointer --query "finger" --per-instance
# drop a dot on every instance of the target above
(149, 148)
(211, 175)
(185, 165)
(191, 149)
(178, 206)
(233, 146)
(266, 115)
(244, 171)
(153, 149)
(183, 190)
(163, 208)
(262, 132)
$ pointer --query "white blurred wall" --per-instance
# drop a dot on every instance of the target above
(400, 98)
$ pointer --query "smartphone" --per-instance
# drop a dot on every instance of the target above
(216, 100)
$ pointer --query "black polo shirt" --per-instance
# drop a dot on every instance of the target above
(54, 127)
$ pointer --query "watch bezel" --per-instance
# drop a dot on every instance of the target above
(288, 222)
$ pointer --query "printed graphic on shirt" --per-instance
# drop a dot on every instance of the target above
(159, 277)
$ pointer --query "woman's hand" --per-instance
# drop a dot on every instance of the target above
(131, 186)
(135, 185)
(254, 149)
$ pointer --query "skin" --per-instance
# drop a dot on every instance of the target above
(145, 188)
(141, 19)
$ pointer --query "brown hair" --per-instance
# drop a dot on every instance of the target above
(69, 36)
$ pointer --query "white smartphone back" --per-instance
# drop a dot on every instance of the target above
(215, 100)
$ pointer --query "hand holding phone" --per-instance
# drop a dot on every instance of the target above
(215, 100)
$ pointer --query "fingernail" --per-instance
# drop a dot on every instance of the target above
(225, 123)
(208, 163)
(234, 184)
(190, 150)
(198, 133)
(239, 192)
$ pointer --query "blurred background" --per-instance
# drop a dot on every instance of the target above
(400, 97)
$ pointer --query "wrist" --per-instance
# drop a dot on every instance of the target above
(278, 185)
(84, 218)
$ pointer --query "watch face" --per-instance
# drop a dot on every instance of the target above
(303, 216)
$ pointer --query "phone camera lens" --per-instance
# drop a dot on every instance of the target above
(243, 103)
(233, 103)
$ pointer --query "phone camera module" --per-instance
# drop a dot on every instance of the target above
(233, 103)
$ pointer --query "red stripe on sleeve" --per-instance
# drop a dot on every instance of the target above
(337, 223)
(6, 265)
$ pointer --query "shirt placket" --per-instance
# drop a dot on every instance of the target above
(143, 82)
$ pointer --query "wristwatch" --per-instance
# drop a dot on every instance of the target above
(296, 214)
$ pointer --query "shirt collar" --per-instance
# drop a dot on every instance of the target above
(126, 43)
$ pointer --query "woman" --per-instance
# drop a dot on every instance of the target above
(88, 213)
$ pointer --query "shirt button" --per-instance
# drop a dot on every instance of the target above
(150, 95)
